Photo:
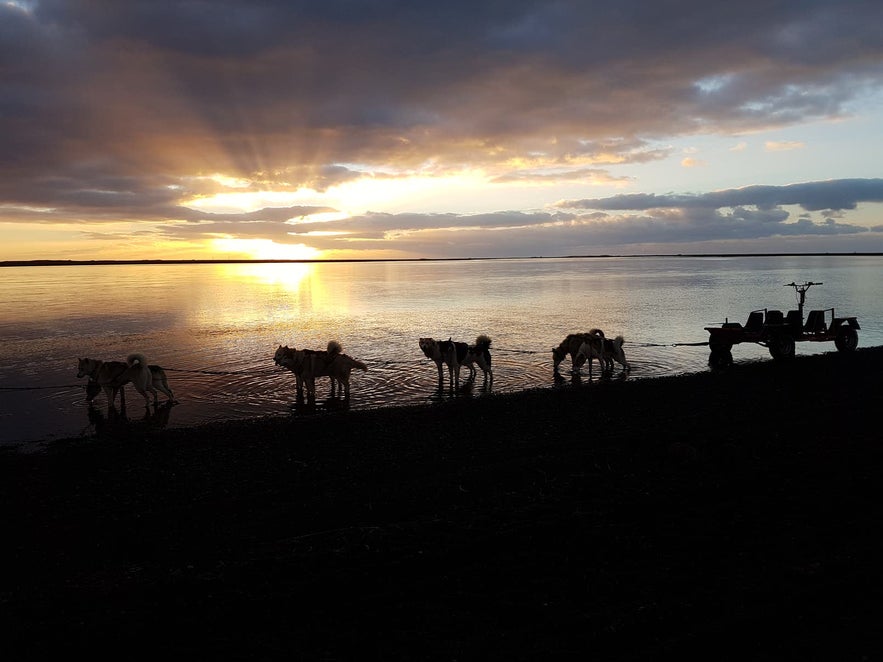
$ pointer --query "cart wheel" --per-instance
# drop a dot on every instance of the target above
(781, 347)
(721, 356)
(846, 339)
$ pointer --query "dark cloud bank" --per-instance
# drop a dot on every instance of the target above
(120, 110)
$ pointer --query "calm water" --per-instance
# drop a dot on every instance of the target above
(215, 327)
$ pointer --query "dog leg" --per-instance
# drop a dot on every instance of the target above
(143, 392)
(164, 387)
(591, 360)
(155, 395)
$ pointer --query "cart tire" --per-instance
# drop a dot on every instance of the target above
(781, 347)
(846, 339)
(720, 357)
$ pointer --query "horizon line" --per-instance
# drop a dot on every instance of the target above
(54, 262)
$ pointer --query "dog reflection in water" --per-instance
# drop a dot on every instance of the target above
(117, 422)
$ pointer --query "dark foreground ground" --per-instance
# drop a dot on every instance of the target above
(727, 516)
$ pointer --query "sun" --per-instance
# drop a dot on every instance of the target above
(263, 249)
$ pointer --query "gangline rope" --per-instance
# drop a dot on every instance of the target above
(276, 370)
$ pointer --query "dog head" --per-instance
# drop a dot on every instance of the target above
(558, 354)
(84, 367)
(281, 354)
(429, 346)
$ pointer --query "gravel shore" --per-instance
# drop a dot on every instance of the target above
(732, 515)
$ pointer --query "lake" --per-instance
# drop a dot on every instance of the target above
(214, 327)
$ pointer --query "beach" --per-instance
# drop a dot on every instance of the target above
(731, 515)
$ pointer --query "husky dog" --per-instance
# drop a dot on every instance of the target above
(307, 364)
(111, 376)
(304, 363)
(480, 354)
(157, 375)
(449, 352)
(613, 352)
(573, 345)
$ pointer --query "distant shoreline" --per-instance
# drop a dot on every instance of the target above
(59, 263)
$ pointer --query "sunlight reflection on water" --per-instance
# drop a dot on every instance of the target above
(215, 327)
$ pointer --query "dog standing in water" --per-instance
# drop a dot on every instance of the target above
(581, 347)
(480, 355)
(158, 377)
(613, 352)
(307, 364)
(111, 376)
(448, 352)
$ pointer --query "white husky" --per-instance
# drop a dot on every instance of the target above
(581, 347)
(480, 354)
(307, 364)
(611, 351)
(111, 376)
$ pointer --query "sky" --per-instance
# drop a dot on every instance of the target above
(377, 129)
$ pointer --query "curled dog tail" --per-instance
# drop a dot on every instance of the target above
(619, 340)
(334, 347)
(138, 358)
(483, 342)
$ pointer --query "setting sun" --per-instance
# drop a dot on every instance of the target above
(263, 249)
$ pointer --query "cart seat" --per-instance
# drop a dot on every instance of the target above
(775, 317)
(815, 322)
(793, 319)
(755, 321)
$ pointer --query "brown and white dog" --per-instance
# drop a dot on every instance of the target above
(480, 355)
(613, 352)
(157, 374)
(111, 376)
(448, 352)
(307, 364)
(581, 347)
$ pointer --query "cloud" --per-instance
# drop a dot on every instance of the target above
(782, 145)
(127, 110)
(690, 162)
(592, 176)
(245, 88)
(612, 223)
(811, 196)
